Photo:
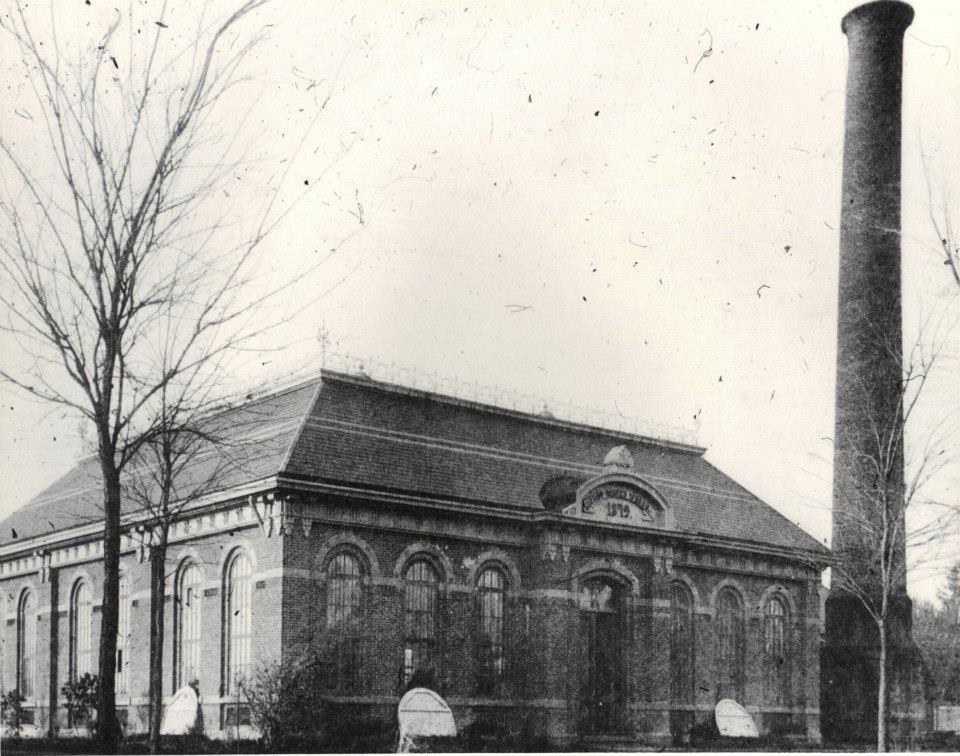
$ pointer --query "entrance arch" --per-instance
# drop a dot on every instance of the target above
(601, 603)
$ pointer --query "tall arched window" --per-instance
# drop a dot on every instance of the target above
(420, 588)
(26, 645)
(344, 598)
(776, 651)
(344, 590)
(123, 633)
(237, 621)
(188, 595)
(81, 616)
(730, 645)
(491, 592)
(682, 644)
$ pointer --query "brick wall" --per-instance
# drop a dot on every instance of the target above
(542, 689)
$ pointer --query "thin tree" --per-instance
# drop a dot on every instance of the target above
(112, 230)
(939, 208)
(194, 443)
(899, 527)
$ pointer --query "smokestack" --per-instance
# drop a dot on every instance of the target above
(869, 371)
(869, 341)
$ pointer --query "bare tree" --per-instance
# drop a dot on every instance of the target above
(119, 283)
(899, 528)
(193, 444)
(940, 208)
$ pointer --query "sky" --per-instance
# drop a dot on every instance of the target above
(627, 206)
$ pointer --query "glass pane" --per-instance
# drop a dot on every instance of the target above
(27, 646)
(420, 607)
(239, 621)
(188, 626)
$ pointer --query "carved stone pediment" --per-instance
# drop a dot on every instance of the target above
(621, 498)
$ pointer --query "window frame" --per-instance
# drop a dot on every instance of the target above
(420, 648)
(683, 643)
(731, 652)
(27, 641)
(237, 632)
(187, 624)
(344, 602)
(777, 649)
(81, 631)
(491, 647)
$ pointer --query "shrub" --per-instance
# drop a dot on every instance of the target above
(284, 699)
(11, 710)
(80, 700)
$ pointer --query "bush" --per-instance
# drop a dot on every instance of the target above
(11, 710)
(284, 700)
(80, 700)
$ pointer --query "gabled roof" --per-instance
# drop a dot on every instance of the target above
(358, 432)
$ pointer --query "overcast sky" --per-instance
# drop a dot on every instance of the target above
(631, 206)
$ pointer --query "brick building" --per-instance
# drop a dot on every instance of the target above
(547, 577)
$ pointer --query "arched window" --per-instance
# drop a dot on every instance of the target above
(491, 591)
(776, 651)
(344, 591)
(26, 645)
(730, 645)
(344, 597)
(121, 680)
(188, 593)
(237, 620)
(420, 589)
(81, 615)
(682, 644)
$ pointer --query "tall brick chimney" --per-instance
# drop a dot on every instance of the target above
(869, 371)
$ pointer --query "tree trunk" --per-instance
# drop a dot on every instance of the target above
(158, 566)
(882, 693)
(108, 730)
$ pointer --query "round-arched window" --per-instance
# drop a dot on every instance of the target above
(344, 591)
(776, 650)
(420, 593)
(491, 594)
(238, 628)
(682, 644)
(26, 645)
(81, 616)
(730, 644)
(187, 625)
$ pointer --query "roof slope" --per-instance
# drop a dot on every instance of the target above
(375, 435)
(256, 439)
(355, 431)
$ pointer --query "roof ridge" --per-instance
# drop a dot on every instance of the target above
(385, 386)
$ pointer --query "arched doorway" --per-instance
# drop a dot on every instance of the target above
(601, 625)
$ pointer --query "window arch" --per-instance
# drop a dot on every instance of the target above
(27, 645)
(730, 644)
(188, 596)
(776, 650)
(81, 616)
(121, 681)
(420, 616)
(491, 599)
(237, 630)
(682, 644)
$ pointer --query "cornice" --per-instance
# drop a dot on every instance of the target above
(281, 505)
